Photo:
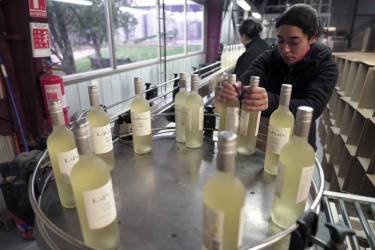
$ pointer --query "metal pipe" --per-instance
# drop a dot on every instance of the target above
(345, 217)
(350, 197)
(365, 225)
(327, 209)
(321, 187)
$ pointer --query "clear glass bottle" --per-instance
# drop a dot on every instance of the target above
(62, 152)
(223, 200)
(100, 125)
(229, 116)
(179, 109)
(279, 130)
(93, 193)
(249, 125)
(296, 166)
(194, 115)
(141, 120)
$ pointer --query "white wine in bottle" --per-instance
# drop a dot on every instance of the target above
(223, 200)
(63, 154)
(249, 125)
(93, 193)
(179, 109)
(100, 128)
(229, 115)
(194, 114)
(141, 120)
(296, 165)
(279, 130)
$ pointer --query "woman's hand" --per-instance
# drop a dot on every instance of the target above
(255, 98)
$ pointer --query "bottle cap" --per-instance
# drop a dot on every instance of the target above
(254, 81)
(227, 142)
(232, 78)
(195, 79)
(94, 94)
(82, 134)
(55, 106)
(138, 85)
(183, 78)
(285, 93)
(303, 121)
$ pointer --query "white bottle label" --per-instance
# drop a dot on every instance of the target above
(213, 228)
(244, 122)
(304, 184)
(188, 119)
(241, 226)
(257, 125)
(141, 123)
(100, 206)
(231, 121)
(179, 115)
(280, 178)
(102, 139)
(66, 161)
(201, 118)
(277, 137)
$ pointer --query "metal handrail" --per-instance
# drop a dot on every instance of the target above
(80, 245)
(275, 238)
(158, 86)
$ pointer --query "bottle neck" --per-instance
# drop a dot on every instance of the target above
(283, 107)
(57, 119)
(302, 130)
(284, 100)
(94, 100)
(84, 141)
(226, 163)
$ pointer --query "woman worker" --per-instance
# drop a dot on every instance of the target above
(297, 60)
(249, 36)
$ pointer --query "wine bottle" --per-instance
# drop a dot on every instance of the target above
(179, 109)
(296, 165)
(229, 116)
(62, 153)
(93, 193)
(194, 115)
(223, 200)
(141, 120)
(99, 123)
(279, 130)
(249, 125)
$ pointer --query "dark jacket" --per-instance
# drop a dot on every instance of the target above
(313, 80)
(253, 49)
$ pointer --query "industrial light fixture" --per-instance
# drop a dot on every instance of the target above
(79, 2)
(244, 5)
(256, 15)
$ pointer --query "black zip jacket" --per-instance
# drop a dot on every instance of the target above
(313, 80)
(253, 49)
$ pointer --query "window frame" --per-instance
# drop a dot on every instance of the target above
(116, 69)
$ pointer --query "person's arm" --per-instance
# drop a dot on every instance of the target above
(316, 95)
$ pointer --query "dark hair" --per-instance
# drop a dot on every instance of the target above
(250, 28)
(303, 16)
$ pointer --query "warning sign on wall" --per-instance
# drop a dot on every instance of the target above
(37, 8)
(40, 39)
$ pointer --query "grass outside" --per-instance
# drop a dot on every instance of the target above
(134, 53)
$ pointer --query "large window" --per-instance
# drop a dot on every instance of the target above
(78, 34)
(81, 40)
(136, 34)
(174, 26)
(194, 18)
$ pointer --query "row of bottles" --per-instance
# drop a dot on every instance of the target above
(230, 54)
(81, 165)
(189, 113)
(224, 194)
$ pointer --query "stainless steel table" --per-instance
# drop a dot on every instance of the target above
(158, 198)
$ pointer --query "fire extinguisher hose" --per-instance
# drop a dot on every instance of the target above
(13, 105)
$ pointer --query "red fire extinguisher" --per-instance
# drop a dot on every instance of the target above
(53, 89)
